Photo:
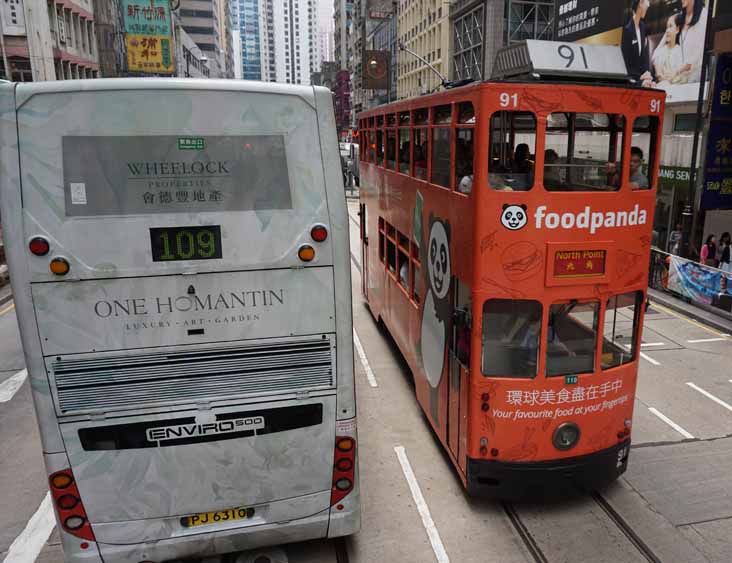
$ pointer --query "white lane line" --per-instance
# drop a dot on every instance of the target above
(671, 423)
(707, 340)
(28, 545)
(653, 344)
(422, 508)
(649, 359)
(10, 386)
(712, 397)
(364, 360)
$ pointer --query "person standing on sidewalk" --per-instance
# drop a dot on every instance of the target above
(725, 249)
(708, 252)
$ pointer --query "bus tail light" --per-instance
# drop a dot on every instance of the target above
(68, 504)
(39, 246)
(60, 266)
(319, 233)
(344, 466)
(306, 253)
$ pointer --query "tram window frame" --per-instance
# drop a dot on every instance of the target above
(415, 270)
(391, 147)
(391, 250)
(440, 174)
(464, 177)
(653, 130)
(372, 146)
(403, 258)
(382, 241)
(555, 340)
(614, 354)
(405, 161)
(613, 166)
(500, 166)
(379, 153)
(510, 325)
(421, 134)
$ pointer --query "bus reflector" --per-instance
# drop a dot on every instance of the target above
(39, 246)
(306, 253)
(319, 233)
(70, 509)
(60, 266)
(345, 444)
(344, 468)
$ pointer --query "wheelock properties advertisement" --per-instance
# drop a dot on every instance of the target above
(148, 36)
(662, 40)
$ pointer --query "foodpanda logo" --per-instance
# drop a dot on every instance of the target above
(588, 219)
(514, 217)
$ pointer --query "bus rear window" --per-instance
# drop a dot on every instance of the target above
(174, 174)
(621, 329)
(583, 152)
(572, 338)
(511, 330)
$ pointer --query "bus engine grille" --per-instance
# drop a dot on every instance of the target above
(113, 382)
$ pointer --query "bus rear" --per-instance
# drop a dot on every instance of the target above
(179, 261)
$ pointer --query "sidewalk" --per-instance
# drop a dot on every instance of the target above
(705, 314)
(6, 294)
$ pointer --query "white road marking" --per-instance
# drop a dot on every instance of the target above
(712, 397)
(364, 360)
(671, 423)
(653, 344)
(28, 545)
(10, 386)
(706, 340)
(422, 508)
(649, 359)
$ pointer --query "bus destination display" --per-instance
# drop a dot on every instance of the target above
(185, 243)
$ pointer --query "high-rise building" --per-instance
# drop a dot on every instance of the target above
(343, 12)
(203, 21)
(279, 39)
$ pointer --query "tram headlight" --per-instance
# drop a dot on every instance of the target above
(566, 436)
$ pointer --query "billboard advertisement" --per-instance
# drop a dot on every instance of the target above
(376, 70)
(717, 191)
(148, 36)
(662, 40)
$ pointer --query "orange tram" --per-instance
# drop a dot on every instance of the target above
(505, 239)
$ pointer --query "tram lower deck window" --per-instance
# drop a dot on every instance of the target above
(621, 329)
(511, 330)
(572, 338)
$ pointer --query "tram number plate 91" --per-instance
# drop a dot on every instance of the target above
(203, 518)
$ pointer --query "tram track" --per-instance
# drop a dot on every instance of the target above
(542, 553)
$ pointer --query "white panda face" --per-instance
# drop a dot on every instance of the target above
(514, 217)
(439, 260)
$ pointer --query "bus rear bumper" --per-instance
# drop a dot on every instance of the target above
(546, 479)
(217, 543)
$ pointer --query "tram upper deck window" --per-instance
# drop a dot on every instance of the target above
(464, 148)
(643, 153)
(379, 147)
(421, 151)
(572, 338)
(404, 142)
(511, 331)
(391, 148)
(621, 329)
(512, 148)
(583, 152)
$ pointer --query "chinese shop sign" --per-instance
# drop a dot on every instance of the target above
(148, 36)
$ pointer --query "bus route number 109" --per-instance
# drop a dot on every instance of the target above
(169, 244)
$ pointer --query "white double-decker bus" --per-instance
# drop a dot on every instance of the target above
(180, 265)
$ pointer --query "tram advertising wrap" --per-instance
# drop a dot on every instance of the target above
(662, 40)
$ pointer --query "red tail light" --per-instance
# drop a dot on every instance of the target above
(39, 246)
(344, 466)
(68, 504)
(319, 233)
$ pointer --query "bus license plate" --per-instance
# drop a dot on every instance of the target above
(203, 518)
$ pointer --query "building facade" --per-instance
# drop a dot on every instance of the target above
(343, 12)
(202, 21)
(342, 102)
(481, 27)
(56, 43)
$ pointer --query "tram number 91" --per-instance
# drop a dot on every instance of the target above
(185, 243)
(508, 100)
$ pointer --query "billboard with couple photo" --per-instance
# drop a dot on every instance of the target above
(662, 40)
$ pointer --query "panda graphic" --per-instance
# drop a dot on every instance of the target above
(514, 217)
(436, 312)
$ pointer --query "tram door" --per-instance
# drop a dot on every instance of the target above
(458, 362)
(364, 235)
